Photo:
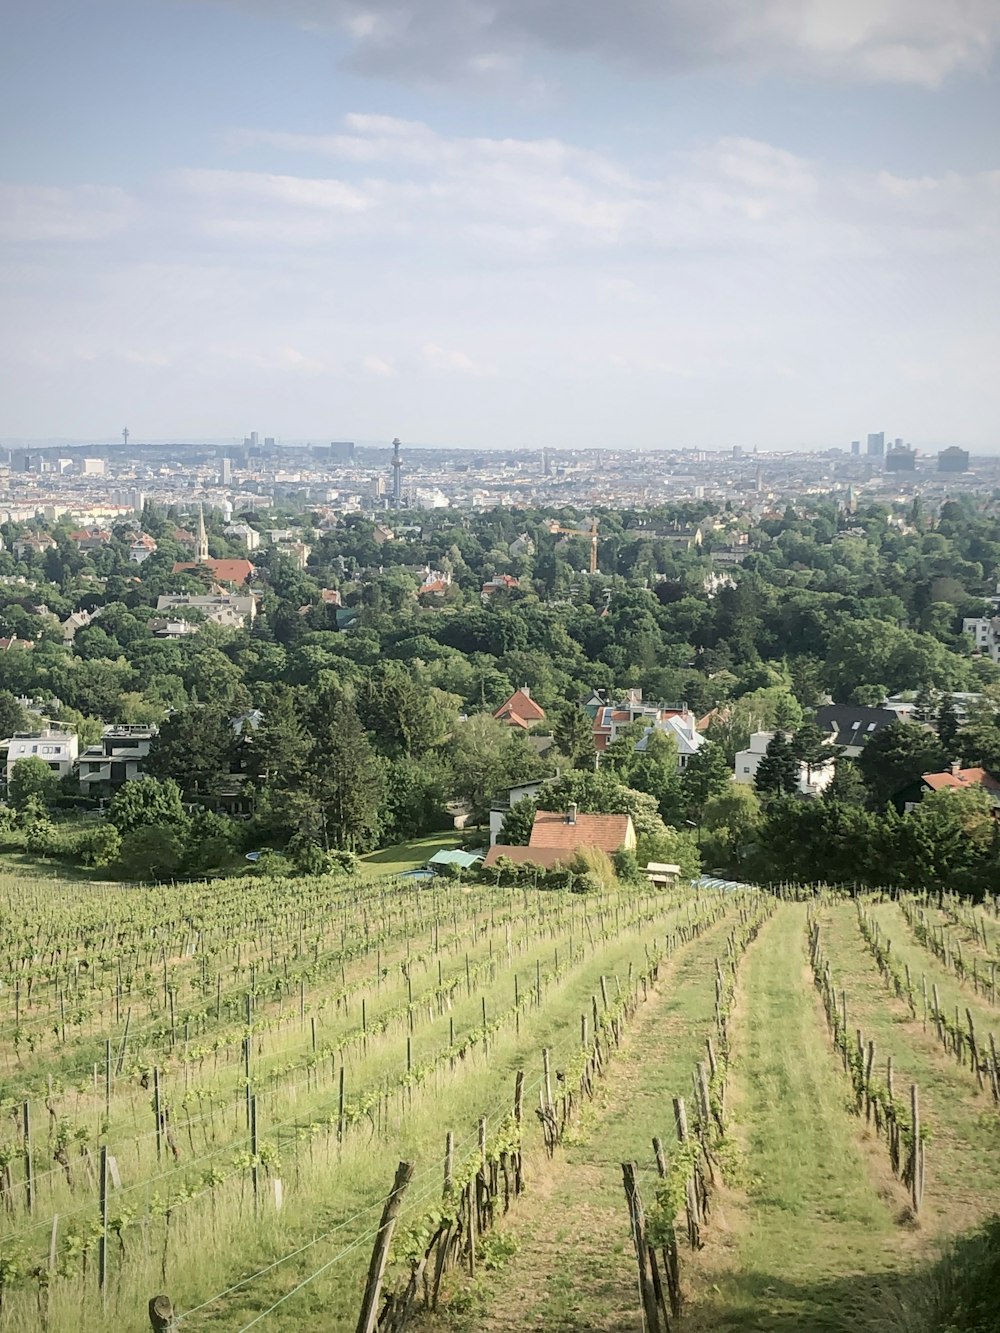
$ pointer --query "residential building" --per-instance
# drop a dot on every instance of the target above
(812, 780)
(850, 727)
(76, 620)
(611, 718)
(163, 627)
(498, 583)
(876, 444)
(36, 543)
(244, 533)
(237, 572)
(953, 779)
(57, 748)
(520, 710)
(556, 838)
(503, 802)
(232, 610)
(116, 759)
(142, 548)
(683, 727)
(435, 583)
(92, 467)
(901, 458)
(91, 539)
(985, 634)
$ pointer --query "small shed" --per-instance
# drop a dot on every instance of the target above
(661, 874)
(454, 856)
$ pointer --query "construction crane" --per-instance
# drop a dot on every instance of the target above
(590, 533)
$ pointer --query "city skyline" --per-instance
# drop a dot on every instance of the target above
(532, 226)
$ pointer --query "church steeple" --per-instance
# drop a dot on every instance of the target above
(201, 554)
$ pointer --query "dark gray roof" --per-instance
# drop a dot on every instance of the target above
(852, 724)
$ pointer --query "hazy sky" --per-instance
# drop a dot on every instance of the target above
(502, 222)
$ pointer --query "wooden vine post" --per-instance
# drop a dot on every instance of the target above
(368, 1317)
(161, 1314)
(637, 1217)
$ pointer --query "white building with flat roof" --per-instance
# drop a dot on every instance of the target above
(59, 749)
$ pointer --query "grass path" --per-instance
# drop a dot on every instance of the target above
(964, 1128)
(814, 1244)
(575, 1269)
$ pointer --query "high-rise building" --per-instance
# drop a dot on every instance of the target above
(226, 472)
(342, 451)
(269, 442)
(92, 467)
(876, 445)
(953, 460)
(900, 458)
(855, 447)
(397, 476)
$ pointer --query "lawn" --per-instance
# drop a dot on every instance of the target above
(407, 855)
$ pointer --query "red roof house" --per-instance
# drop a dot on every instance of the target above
(223, 571)
(520, 710)
(557, 837)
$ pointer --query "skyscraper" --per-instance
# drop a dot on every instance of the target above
(855, 447)
(876, 445)
(397, 476)
(953, 460)
(226, 471)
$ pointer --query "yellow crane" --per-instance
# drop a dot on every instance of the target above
(590, 533)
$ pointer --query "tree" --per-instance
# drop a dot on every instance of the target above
(733, 818)
(654, 770)
(810, 747)
(152, 852)
(574, 736)
(947, 725)
(195, 747)
(847, 786)
(516, 828)
(896, 756)
(345, 780)
(12, 716)
(706, 775)
(778, 771)
(486, 756)
(31, 777)
(145, 801)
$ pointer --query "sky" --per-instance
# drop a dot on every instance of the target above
(502, 223)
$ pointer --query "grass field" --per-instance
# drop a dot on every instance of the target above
(406, 855)
(358, 1020)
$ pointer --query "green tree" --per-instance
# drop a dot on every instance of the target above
(896, 756)
(810, 747)
(573, 732)
(516, 829)
(345, 780)
(655, 771)
(485, 757)
(733, 818)
(706, 775)
(145, 801)
(195, 747)
(847, 787)
(947, 725)
(778, 771)
(152, 852)
(31, 777)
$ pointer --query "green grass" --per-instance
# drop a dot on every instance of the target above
(407, 855)
(815, 1245)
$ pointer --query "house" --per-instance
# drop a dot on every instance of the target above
(117, 758)
(985, 634)
(165, 627)
(611, 718)
(850, 727)
(236, 572)
(503, 802)
(557, 837)
(141, 548)
(521, 547)
(232, 610)
(243, 532)
(683, 727)
(954, 779)
(35, 543)
(520, 710)
(498, 583)
(59, 749)
(381, 534)
(90, 539)
(297, 552)
(435, 583)
(7, 644)
(812, 781)
(74, 621)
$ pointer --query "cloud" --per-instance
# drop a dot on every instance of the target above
(374, 365)
(451, 362)
(920, 42)
(37, 213)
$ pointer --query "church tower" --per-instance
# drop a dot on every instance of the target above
(201, 555)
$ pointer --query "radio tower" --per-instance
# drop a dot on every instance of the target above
(397, 476)
(125, 436)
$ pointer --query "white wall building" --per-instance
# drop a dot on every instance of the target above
(985, 634)
(812, 781)
(58, 749)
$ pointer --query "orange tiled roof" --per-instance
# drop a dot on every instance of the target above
(964, 777)
(226, 571)
(551, 829)
(546, 857)
(522, 707)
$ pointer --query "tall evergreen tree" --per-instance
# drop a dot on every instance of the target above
(778, 771)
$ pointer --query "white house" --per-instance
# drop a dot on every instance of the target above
(985, 634)
(116, 759)
(231, 610)
(244, 533)
(59, 749)
(501, 805)
(812, 781)
(684, 731)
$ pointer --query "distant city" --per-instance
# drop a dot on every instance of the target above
(102, 481)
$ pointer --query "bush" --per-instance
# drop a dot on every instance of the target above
(98, 846)
(150, 853)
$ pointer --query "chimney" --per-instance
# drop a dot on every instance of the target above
(571, 813)
(955, 767)
(526, 691)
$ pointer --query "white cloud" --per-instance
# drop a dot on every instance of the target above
(374, 365)
(450, 361)
(36, 213)
(920, 42)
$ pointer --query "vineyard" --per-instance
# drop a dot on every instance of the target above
(706, 1109)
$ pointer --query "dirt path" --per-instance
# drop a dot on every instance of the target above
(575, 1268)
